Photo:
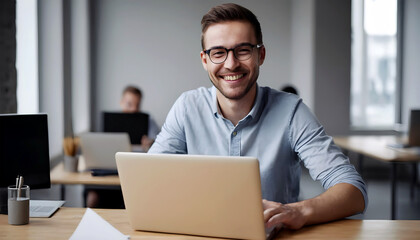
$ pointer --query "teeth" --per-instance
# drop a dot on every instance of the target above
(232, 78)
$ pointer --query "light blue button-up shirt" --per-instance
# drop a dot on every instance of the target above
(280, 131)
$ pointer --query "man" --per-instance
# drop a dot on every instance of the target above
(289, 89)
(130, 103)
(238, 117)
(110, 198)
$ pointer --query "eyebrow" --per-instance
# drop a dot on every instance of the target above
(238, 45)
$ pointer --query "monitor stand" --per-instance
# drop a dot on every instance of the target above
(3, 200)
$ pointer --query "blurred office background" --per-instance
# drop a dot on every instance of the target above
(355, 67)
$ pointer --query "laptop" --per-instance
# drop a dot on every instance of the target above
(135, 124)
(99, 149)
(215, 196)
(414, 131)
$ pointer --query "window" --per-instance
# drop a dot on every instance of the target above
(27, 56)
(374, 64)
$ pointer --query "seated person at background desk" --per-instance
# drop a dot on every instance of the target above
(103, 197)
(238, 117)
(130, 103)
(289, 89)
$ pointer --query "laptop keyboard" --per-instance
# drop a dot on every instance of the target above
(42, 209)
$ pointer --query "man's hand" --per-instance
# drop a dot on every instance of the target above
(146, 143)
(339, 201)
(277, 214)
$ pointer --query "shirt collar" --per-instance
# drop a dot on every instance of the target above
(215, 105)
(258, 101)
(252, 113)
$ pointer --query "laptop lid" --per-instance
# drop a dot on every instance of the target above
(135, 124)
(214, 196)
(414, 130)
(99, 149)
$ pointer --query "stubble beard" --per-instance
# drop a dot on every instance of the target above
(237, 96)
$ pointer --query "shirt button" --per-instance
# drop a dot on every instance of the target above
(234, 133)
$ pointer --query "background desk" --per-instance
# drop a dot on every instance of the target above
(59, 176)
(63, 223)
(376, 147)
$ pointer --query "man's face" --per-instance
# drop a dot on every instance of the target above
(130, 103)
(233, 78)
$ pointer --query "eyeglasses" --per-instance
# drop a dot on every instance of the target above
(242, 52)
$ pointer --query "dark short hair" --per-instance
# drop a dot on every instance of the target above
(230, 12)
(290, 89)
(134, 90)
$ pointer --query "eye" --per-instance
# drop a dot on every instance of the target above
(217, 53)
(243, 50)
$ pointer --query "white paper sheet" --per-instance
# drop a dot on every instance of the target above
(93, 226)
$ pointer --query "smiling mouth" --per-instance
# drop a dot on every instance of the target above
(233, 77)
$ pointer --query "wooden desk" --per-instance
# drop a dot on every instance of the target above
(376, 147)
(59, 176)
(63, 223)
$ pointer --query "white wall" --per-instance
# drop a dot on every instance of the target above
(80, 66)
(156, 45)
(332, 65)
(302, 49)
(411, 59)
(50, 20)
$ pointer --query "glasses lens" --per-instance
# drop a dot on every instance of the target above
(243, 52)
(218, 55)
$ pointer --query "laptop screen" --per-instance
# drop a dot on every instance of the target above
(135, 124)
(414, 134)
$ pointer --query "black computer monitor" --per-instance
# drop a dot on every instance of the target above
(24, 151)
(135, 124)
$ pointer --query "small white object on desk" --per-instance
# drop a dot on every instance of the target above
(93, 226)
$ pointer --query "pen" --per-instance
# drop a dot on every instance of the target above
(17, 181)
(20, 186)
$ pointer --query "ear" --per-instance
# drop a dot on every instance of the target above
(261, 55)
(203, 60)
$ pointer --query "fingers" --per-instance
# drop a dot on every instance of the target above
(276, 220)
(271, 210)
(277, 214)
(265, 204)
(270, 204)
(283, 215)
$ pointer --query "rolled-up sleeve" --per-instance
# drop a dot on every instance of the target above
(324, 160)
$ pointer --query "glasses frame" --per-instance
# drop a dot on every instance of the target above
(257, 46)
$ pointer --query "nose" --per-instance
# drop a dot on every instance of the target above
(231, 61)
